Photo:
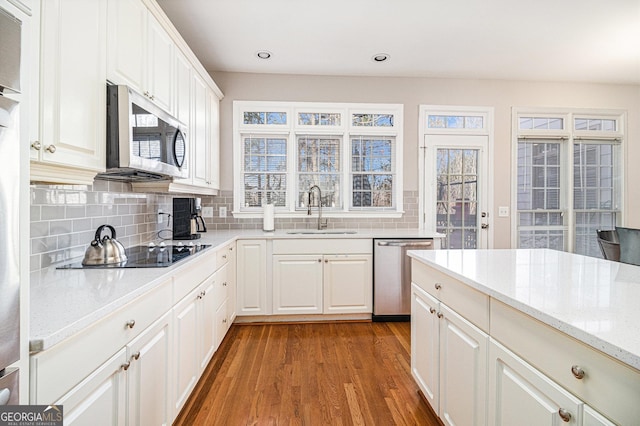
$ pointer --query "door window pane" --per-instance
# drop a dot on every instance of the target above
(457, 197)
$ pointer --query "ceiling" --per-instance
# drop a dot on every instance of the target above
(551, 40)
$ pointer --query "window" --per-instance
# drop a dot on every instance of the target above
(352, 152)
(568, 179)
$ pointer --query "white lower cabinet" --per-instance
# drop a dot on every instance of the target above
(194, 336)
(348, 283)
(100, 399)
(251, 277)
(148, 375)
(448, 360)
(133, 384)
(297, 284)
(520, 394)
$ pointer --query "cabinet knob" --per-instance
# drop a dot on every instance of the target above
(577, 372)
(320, 260)
(564, 415)
(432, 310)
(440, 315)
(36, 145)
(146, 93)
(326, 261)
(131, 323)
(438, 286)
(224, 321)
(224, 284)
(136, 356)
(126, 366)
(224, 256)
(51, 148)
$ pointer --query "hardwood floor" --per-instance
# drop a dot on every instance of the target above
(310, 374)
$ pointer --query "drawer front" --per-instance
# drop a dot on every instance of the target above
(323, 246)
(57, 370)
(468, 302)
(223, 255)
(186, 279)
(608, 386)
(221, 285)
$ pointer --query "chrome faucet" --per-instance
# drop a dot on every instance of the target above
(321, 224)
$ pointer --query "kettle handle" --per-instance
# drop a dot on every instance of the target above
(101, 228)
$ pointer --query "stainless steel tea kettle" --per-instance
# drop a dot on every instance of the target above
(104, 250)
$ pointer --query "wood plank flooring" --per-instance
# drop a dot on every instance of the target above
(354, 373)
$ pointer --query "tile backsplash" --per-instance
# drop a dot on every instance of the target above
(64, 218)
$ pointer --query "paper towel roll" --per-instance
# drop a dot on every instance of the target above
(268, 218)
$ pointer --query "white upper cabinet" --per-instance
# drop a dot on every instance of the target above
(182, 96)
(160, 51)
(71, 146)
(141, 52)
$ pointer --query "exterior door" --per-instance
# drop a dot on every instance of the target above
(456, 189)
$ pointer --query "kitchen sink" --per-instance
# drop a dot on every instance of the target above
(321, 231)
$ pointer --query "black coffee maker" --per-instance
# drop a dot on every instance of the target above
(187, 219)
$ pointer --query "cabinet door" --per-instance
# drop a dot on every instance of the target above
(183, 89)
(201, 162)
(160, 50)
(593, 418)
(425, 353)
(222, 322)
(73, 73)
(297, 284)
(127, 36)
(214, 138)
(521, 395)
(347, 283)
(149, 374)
(185, 337)
(251, 276)
(463, 370)
(207, 304)
(231, 284)
(100, 399)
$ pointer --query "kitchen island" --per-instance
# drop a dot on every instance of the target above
(548, 334)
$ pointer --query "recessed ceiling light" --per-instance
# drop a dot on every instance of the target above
(380, 57)
(263, 54)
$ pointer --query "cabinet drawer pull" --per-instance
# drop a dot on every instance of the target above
(126, 366)
(136, 356)
(36, 145)
(224, 256)
(51, 148)
(432, 310)
(564, 415)
(577, 372)
(131, 323)
(440, 314)
(224, 284)
(438, 286)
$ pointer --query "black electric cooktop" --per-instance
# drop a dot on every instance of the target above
(159, 256)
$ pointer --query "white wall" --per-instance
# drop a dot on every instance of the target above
(502, 95)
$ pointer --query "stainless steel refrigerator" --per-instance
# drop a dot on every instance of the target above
(10, 34)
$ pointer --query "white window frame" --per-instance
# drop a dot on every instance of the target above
(567, 137)
(345, 130)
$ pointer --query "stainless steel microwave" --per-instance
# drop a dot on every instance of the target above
(143, 141)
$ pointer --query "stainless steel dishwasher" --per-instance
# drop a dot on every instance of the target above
(392, 277)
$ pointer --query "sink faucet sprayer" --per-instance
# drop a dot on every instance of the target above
(321, 224)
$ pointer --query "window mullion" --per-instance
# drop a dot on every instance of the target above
(292, 171)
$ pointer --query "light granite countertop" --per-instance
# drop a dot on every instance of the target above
(593, 300)
(65, 302)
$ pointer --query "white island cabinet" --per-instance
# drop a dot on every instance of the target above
(547, 362)
(448, 355)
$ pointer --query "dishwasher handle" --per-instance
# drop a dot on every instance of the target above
(417, 244)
